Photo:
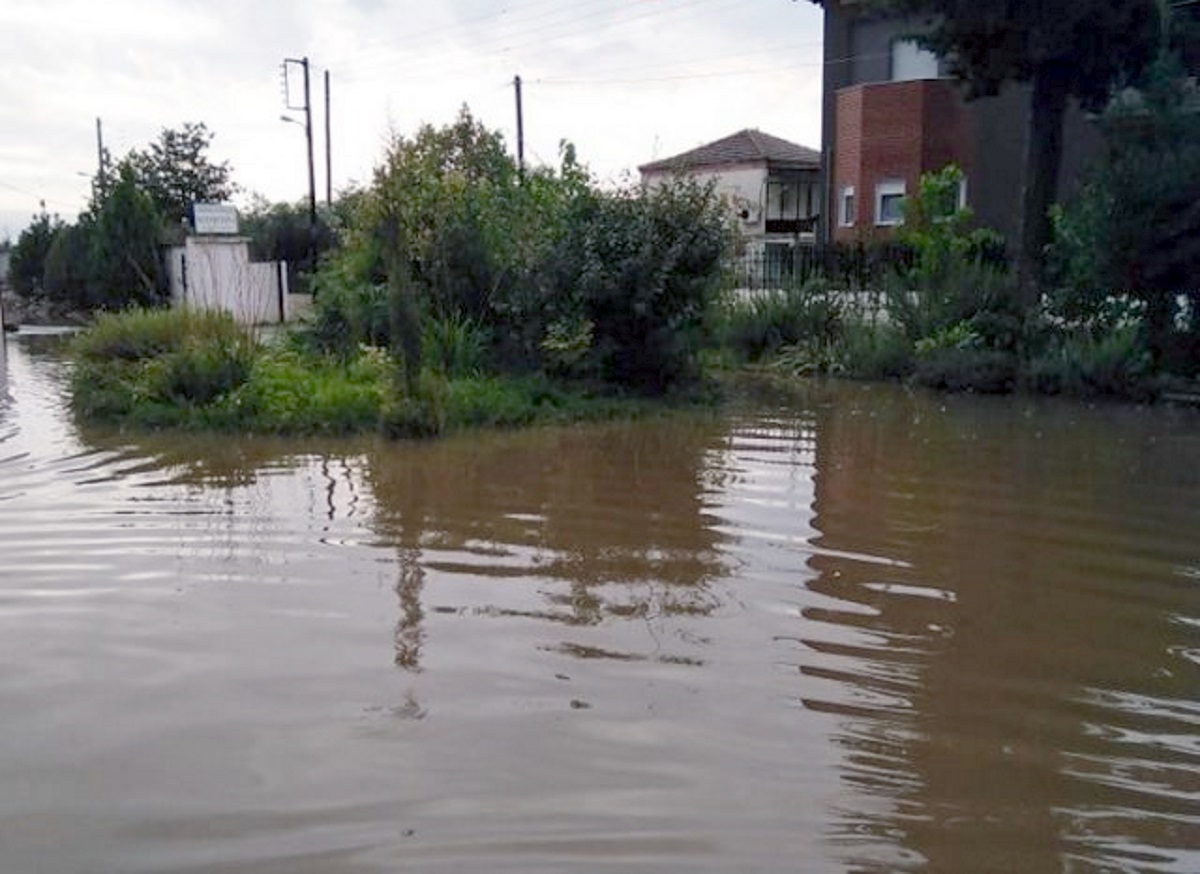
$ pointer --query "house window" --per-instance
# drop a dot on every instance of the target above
(846, 206)
(910, 61)
(889, 200)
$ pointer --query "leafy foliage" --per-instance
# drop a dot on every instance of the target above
(151, 362)
(1086, 44)
(1135, 226)
(954, 274)
(176, 171)
(764, 322)
(110, 257)
(283, 232)
(27, 264)
(551, 270)
(124, 266)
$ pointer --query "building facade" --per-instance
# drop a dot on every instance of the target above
(890, 113)
(772, 185)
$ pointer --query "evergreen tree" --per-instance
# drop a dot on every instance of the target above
(27, 267)
(124, 263)
(176, 171)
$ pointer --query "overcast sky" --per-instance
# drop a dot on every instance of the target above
(627, 81)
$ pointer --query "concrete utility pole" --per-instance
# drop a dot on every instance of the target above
(328, 149)
(308, 135)
(102, 173)
(520, 131)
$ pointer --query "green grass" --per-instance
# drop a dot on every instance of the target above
(180, 369)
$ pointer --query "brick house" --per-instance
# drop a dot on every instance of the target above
(890, 114)
(772, 185)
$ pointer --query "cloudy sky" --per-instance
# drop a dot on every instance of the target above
(627, 81)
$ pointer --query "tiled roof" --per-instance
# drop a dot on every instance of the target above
(744, 147)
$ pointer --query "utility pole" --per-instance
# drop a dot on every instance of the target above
(308, 135)
(102, 174)
(520, 131)
(328, 149)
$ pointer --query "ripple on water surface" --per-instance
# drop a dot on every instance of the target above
(869, 630)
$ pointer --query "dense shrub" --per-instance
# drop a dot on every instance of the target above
(27, 264)
(1134, 227)
(988, 371)
(878, 350)
(454, 346)
(145, 363)
(647, 278)
(549, 271)
(760, 323)
(1079, 363)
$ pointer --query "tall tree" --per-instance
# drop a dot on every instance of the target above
(124, 262)
(28, 265)
(176, 171)
(1064, 49)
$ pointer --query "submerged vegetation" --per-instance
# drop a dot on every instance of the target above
(201, 370)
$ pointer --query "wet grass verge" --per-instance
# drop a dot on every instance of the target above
(156, 369)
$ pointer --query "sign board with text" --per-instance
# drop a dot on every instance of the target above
(214, 218)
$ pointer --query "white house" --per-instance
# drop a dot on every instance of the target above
(772, 184)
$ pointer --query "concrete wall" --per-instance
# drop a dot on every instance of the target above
(216, 273)
(745, 187)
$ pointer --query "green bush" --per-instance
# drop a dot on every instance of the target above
(289, 392)
(136, 334)
(878, 350)
(955, 273)
(813, 357)
(1134, 225)
(453, 346)
(1078, 363)
(760, 324)
(490, 402)
(647, 276)
(987, 371)
(146, 363)
(347, 312)
(418, 414)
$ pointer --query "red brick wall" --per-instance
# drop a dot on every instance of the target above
(847, 163)
(895, 130)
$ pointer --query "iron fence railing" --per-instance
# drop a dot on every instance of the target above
(847, 266)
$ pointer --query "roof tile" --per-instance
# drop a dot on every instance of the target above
(748, 146)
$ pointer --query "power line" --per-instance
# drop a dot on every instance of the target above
(760, 52)
(373, 55)
(495, 48)
(682, 77)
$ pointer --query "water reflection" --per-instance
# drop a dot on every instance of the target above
(980, 718)
(607, 525)
(854, 630)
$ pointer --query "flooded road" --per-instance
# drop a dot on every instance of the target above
(860, 630)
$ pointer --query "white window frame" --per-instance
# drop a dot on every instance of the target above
(847, 206)
(886, 189)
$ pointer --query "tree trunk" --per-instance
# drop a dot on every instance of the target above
(1043, 155)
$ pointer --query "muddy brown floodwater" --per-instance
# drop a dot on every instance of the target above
(862, 630)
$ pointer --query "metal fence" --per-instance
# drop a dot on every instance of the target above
(846, 266)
